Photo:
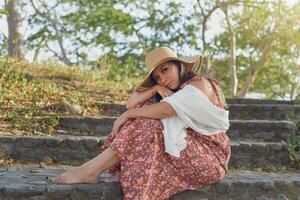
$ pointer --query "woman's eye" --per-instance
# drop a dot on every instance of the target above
(164, 70)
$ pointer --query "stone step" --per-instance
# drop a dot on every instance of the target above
(69, 149)
(258, 101)
(260, 130)
(31, 183)
(237, 111)
(263, 111)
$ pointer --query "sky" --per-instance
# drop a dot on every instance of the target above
(214, 27)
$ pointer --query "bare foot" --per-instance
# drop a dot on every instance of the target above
(115, 178)
(76, 175)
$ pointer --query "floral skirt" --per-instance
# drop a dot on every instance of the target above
(147, 172)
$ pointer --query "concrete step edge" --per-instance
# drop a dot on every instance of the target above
(260, 121)
(7, 138)
(36, 183)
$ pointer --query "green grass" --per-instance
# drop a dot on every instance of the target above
(30, 92)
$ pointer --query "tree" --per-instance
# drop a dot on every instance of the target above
(206, 10)
(276, 26)
(258, 37)
(14, 22)
(232, 56)
(265, 37)
(109, 26)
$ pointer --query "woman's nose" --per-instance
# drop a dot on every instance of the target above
(164, 81)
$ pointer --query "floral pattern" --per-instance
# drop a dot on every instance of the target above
(147, 172)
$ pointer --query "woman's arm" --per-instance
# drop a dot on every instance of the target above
(164, 110)
(139, 97)
(156, 111)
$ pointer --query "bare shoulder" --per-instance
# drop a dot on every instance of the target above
(202, 85)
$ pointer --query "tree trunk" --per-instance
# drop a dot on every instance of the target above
(59, 35)
(232, 60)
(207, 67)
(234, 79)
(251, 77)
(14, 22)
(206, 15)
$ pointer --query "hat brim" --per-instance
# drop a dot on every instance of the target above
(188, 63)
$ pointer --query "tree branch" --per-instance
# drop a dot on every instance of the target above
(54, 23)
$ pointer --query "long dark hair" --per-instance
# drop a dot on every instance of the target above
(184, 75)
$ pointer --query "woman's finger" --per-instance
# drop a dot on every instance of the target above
(170, 93)
(115, 130)
(117, 125)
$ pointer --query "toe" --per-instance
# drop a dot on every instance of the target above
(59, 180)
(56, 180)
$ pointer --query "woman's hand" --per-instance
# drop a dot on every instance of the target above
(118, 123)
(163, 91)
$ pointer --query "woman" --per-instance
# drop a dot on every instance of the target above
(135, 151)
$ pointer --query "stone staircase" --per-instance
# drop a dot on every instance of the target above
(258, 134)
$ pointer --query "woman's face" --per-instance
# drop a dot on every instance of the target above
(167, 75)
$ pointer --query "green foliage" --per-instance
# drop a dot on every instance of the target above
(3, 11)
(279, 79)
(3, 45)
(85, 24)
(112, 29)
(124, 31)
(255, 25)
(294, 141)
(118, 69)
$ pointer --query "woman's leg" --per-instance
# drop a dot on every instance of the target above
(89, 172)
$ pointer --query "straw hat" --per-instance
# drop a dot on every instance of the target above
(161, 55)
